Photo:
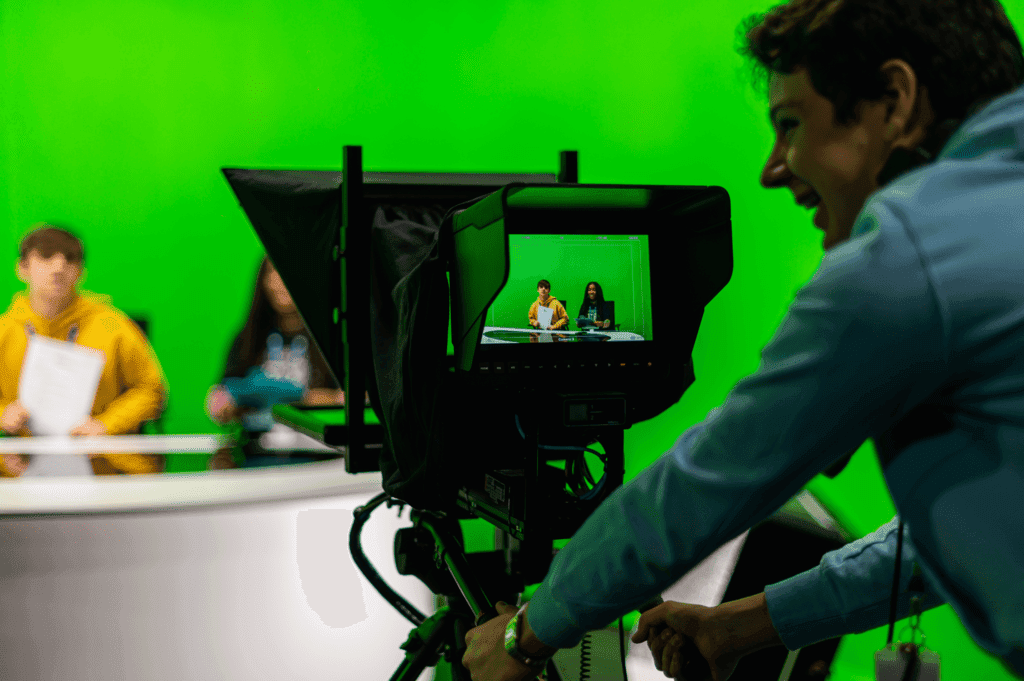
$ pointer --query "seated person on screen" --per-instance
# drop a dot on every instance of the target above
(131, 388)
(593, 306)
(272, 361)
(559, 318)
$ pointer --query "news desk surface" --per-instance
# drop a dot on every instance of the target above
(504, 334)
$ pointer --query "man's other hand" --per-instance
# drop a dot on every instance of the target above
(687, 642)
(14, 418)
(88, 428)
(706, 643)
(486, 657)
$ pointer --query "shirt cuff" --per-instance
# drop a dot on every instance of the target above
(802, 610)
(550, 622)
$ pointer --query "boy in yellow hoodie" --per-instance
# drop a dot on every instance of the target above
(132, 388)
(559, 317)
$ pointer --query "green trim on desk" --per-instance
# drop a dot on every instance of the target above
(326, 424)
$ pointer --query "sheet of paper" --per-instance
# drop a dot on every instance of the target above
(544, 315)
(57, 387)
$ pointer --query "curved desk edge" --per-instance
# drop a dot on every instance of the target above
(163, 492)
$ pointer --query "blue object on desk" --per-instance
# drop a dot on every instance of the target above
(261, 391)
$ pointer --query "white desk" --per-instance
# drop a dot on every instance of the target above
(140, 444)
(226, 575)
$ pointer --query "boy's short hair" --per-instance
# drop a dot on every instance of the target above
(545, 283)
(49, 240)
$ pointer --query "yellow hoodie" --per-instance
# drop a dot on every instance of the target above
(559, 317)
(132, 387)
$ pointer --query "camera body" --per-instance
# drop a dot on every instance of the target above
(651, 257)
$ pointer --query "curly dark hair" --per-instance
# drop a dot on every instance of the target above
(965, 52)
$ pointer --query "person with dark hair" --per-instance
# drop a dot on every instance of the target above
(593, 306)
(131, 389)
(902, 121)
(559, 318)
(275, 352)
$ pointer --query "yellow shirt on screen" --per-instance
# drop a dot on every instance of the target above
(559, 317)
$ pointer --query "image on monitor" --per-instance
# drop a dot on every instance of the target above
(595, 288)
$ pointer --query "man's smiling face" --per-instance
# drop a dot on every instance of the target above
(815, 157)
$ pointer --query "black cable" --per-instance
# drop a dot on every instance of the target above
(585, 658)
(361, 515)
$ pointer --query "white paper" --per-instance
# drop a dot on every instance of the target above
(58, 387)
(544, 315)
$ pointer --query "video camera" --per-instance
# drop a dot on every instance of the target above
(509, 421)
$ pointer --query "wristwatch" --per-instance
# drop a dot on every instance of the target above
(536, 664)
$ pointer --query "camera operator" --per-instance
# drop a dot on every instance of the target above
(909, 333)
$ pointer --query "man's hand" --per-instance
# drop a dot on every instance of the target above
(680, 635)
(88, 427)
(486, 657)
(534, 323)
(14, 418)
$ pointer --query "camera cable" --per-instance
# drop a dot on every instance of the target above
(361, 515)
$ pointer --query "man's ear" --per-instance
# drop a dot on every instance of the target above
(21, 269)
(81, 276)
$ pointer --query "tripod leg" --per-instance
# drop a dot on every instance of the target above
(434, 633)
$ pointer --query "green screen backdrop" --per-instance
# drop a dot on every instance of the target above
(619, 263)
(118, 115)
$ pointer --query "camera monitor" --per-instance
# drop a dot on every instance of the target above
(586, 288)
(608, 274)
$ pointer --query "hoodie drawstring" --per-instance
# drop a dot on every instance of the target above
(30, 331)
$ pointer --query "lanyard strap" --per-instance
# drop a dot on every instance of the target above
(895, 584)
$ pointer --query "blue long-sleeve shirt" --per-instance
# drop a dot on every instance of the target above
(911, 333)
(849, 591)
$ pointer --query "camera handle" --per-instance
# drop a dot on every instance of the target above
(444, 633)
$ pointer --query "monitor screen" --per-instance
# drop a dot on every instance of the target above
(599, 290)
